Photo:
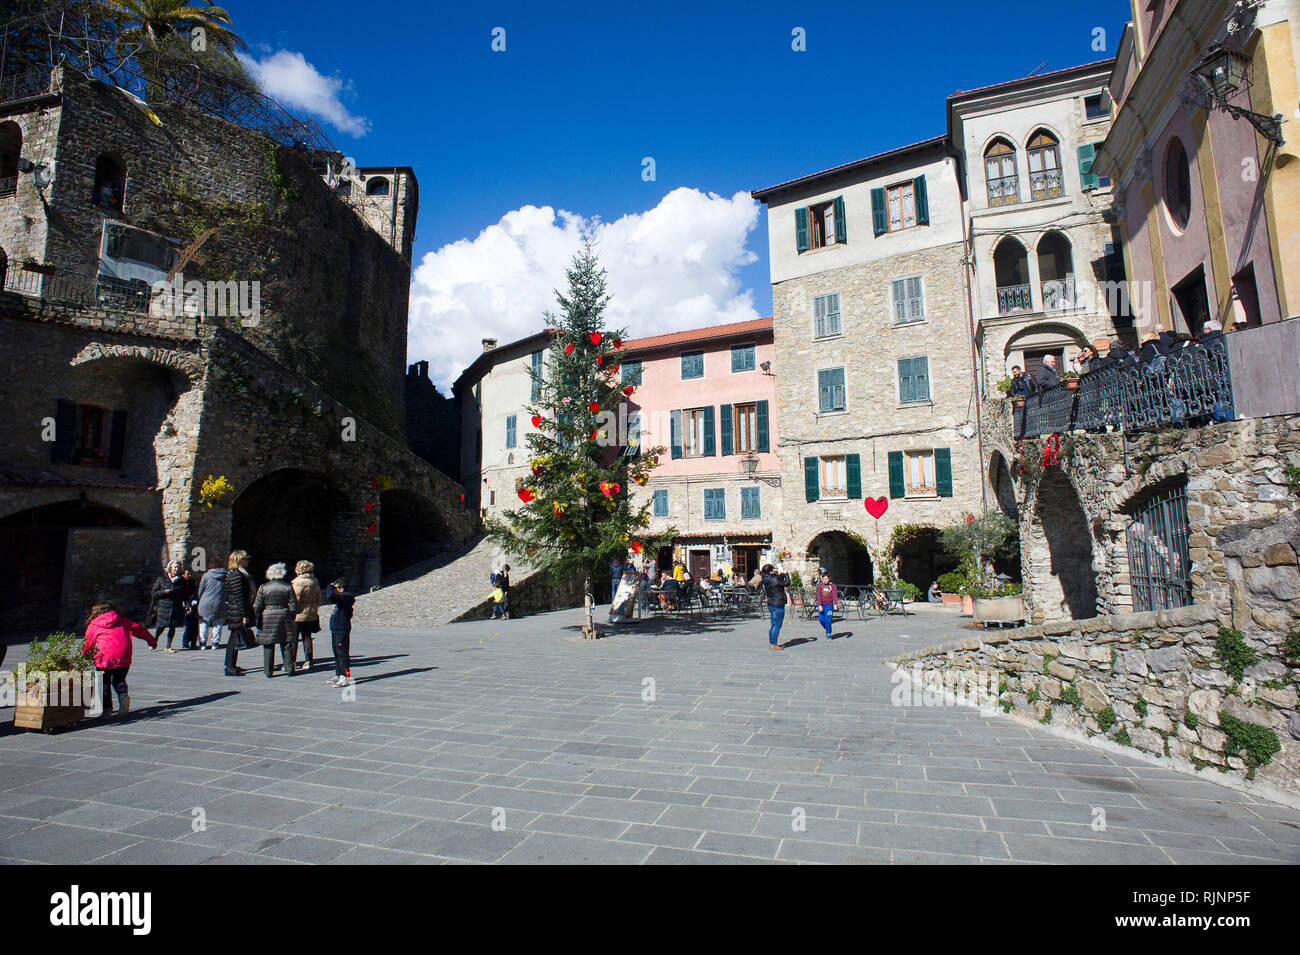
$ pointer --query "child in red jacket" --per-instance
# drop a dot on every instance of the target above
(109, 634)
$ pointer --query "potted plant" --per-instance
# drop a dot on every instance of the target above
(1002, 605)
(1004, 386)
(1070, 381)
(56, 685)
(950, 586)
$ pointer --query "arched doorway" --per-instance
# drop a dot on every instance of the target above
(33, 559)
(921, 558)
(411, 530)
(848, 561)
(1011, 273)
(1069, 589)
(1004, 488)
(1056, 271)
(288, 516)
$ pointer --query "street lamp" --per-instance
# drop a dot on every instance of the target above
(749, 464)
(1221, 74)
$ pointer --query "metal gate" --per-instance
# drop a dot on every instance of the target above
(1158, 560)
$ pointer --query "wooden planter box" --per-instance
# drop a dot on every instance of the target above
(47, 718)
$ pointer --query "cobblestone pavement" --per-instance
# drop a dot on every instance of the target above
(743, 755)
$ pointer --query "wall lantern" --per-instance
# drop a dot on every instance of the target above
(749, 464)
(1221, 74)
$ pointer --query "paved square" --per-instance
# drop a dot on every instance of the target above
(517, 741)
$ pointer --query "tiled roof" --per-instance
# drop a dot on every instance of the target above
(729, 330)
(733, 536)
(852, 166)
(1030, 80)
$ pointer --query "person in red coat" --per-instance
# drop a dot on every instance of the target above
(109, 634)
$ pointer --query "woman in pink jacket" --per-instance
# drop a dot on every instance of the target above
(109, 634)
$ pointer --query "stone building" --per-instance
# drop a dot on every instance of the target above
(278, 364)
(874, 361)
(1036, 217)
(432, 421)
(493, 395)
(387, 198)
(708, 396)
(1207, 186)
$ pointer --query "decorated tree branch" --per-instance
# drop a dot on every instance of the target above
(576, 512)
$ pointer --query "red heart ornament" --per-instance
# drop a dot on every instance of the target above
(876, 506)
(568, 349)
(637, 547)
(596, 337)
(525, 495)
(594, 406)
(537, 421)
(370, 506)
(370, 529)
(599, 359)
(628, 391)
(618, 343)
(462, 497)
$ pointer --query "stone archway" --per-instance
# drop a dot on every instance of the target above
(291, 515)
(848, 561)
(921, 558)
(1063, 575)
(411, 530)
(1004, 486)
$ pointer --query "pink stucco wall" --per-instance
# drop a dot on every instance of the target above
(663, 391)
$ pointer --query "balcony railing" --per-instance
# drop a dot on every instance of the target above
(1047, 184)
(1190, 385)
(1004, 191)
(1014, 298)
(22, 85)
(1058, 294)
(105, 292)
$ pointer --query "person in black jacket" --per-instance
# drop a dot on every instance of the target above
(774, 585)
(170, 600)
(1019, 383)
(274, 608)
(341, 630)
(238, 593)
(1046, 376)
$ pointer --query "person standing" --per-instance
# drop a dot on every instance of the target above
(341, 630)
(169, 598)
(615, 577)
(307, 592)
(774, 584)
(827, 597)
(1019, 383)
(109, 634)
(504, 580)
(497, 596)
(238, 593)
(190, 641)
(274, 608)
(212, 607)
(1046, 376)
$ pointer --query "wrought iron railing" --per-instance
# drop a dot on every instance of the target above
(1014, 298)
(22, 85)
(1158, 556)
(103, 292)
(1190, 385)
(1058, 294)
(1004, 191)
(1047, 184)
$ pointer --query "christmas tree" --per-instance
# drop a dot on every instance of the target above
(576, 514)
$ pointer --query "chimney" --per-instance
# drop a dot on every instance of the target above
(489, 344)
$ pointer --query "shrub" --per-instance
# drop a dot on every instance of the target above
(1256, 744)
(796, 581)
(951, 582)
(1004, 385)
(61, 653)
(1190, 720)
(1141, 706)
(1106, 719)
(1234, 652)
(1070, 694)
(1122, 737)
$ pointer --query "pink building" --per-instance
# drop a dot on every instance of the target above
(708, 397)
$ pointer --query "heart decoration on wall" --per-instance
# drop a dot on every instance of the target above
(876, 506)
(370, 529)
(537, 421)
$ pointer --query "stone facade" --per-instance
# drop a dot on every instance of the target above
(432, 422)
(1155, 681)
(387, 198)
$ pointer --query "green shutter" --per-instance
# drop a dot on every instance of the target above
(675, 427)
(811, 485)
(922, 201)
(853, 476)
(879, 217)
(725, 411)
(709, 448)
(801, 229)
(764, 443)
(943, 472)
(896, 486)
(1087, 154)
(841, 233)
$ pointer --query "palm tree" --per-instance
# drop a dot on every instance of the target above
(155, 23)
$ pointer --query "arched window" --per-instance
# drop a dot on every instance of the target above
(1056, 271)
(1178, 184)
(1000, 173)
(1011, 271)
(110, 183)
(376, 186)
(1045, 179)
(11, 147)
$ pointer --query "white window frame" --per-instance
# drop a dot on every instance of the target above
(692, 432)
(921, 455)
(836, 465)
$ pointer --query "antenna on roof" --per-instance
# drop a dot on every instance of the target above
(1037, 69)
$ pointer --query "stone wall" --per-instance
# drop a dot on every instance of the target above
(1154, 681)
(536, 593)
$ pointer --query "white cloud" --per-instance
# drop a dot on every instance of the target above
(288, 77)
(670, 268)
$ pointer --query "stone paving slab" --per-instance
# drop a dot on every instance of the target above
(518, 742)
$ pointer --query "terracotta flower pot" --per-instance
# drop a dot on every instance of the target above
(968, 606)
(1070, 384)
(951, 598)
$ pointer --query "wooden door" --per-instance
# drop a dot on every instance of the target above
(699, 564)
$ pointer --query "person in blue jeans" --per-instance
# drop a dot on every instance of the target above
(827, 597)
(341, 630)
(775, 584)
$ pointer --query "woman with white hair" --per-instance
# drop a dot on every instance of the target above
(168, 602)
(274, 609)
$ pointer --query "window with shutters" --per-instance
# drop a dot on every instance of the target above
(826, 315)
(908, 303)
(901, 201)
(742, 357)
(510, 431)
(693, 432)
(536, 376)
(692, 364)
(744, 427)
(1045, 178)
(821, 225)
(749, 505)
(913, 379)
(920, 473)
(632, 372)
(715, 504)
(830, 390)
(661, 503)
(833, 475)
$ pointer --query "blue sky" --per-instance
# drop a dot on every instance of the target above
(583, 92)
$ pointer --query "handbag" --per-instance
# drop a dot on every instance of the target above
(245, 638)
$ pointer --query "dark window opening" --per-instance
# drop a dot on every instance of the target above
(110, 184)
(377, 186)
(1178, 184)
(1191, 303)
(1245, 298)
(11, 147)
